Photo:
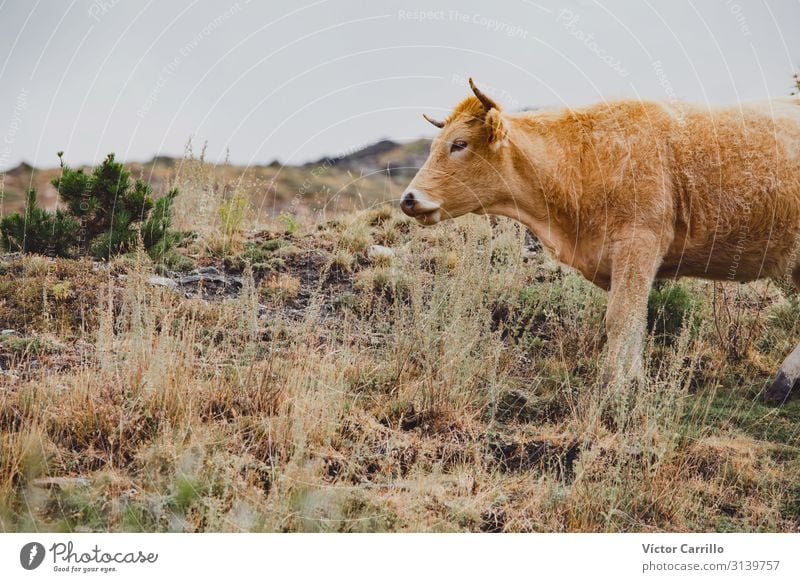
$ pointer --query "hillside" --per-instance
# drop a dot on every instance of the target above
(303, 379)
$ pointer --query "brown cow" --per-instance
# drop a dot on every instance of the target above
(628, 192)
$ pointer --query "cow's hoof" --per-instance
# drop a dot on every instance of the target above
(782, 389)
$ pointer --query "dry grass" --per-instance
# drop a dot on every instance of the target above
(450, 387)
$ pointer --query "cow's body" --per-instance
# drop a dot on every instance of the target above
(628, 192)
(720, 187)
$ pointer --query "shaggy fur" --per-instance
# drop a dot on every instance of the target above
(629, 191)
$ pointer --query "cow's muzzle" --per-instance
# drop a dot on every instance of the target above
(417, 204)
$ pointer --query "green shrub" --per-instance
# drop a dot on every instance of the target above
(157, 237)
(258, 255)
(39, 231)
(345, 301)
(110, 207)
(274, 244)
(231, 214)
(668, 308)
(176, 261)
(107, 213)
(290, 224)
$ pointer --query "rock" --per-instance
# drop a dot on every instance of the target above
(8, 332)
(60, 482)
(197, 277)
(379, 253)
(208, 277)
(162, 282)
(532, 244)
(207, 281)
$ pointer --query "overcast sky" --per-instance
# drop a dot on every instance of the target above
(298, 80)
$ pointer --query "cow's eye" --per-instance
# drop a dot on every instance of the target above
(458, 145)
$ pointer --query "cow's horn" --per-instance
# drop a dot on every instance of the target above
(439, 124)
(487, 102)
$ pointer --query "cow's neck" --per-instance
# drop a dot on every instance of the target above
(556, 234)
(544, 200)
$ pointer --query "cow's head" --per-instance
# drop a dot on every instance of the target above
(461, 173)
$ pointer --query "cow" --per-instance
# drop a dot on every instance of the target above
(629, 192)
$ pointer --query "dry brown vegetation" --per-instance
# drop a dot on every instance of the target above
(451, 384)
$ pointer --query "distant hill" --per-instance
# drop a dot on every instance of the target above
(383, 156)
(360, 178)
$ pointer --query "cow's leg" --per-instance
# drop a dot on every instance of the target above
(787, 383)
(635, 261)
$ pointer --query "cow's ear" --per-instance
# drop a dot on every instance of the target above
(498, 132)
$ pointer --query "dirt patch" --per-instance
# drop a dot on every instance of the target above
(493, 520)
(536, 455)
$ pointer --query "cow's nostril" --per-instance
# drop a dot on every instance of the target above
(408, 201)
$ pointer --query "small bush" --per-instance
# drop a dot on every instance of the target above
(261, 256)
(232, 213)
(389, 282)
(27, 345)
(343, 261)
(157, 237)
(39, 231)
(274, 244)
(356, 238)
(668, 307)
(107, 214)
(281, 287)
(380, 214)
(345, 301)
(176, 261)
(290, 224)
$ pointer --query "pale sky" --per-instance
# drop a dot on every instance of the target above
(299, 80)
